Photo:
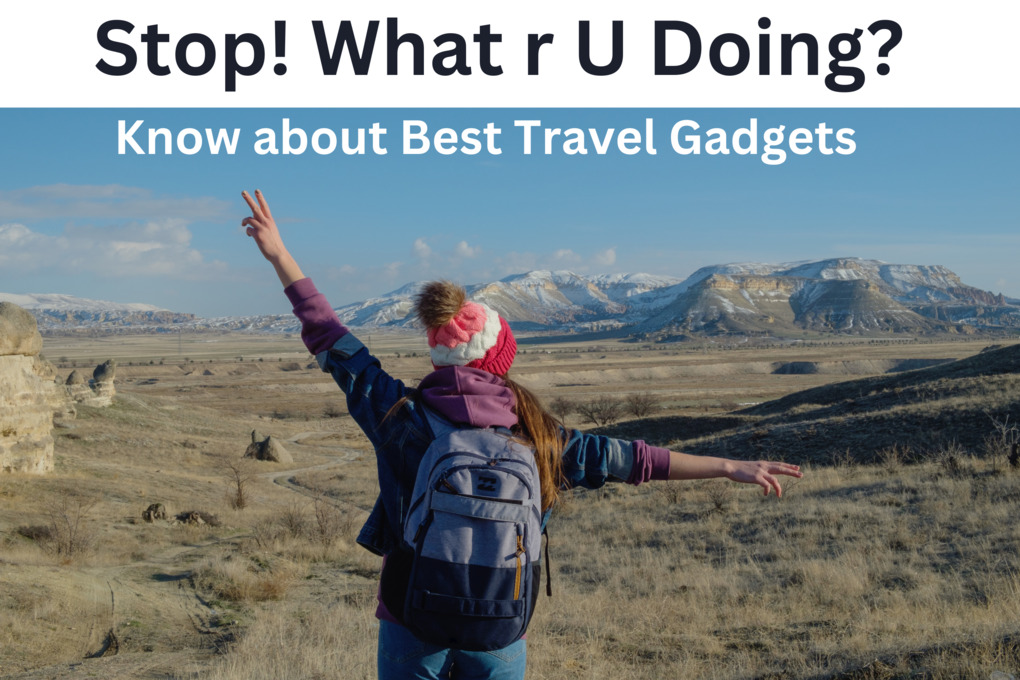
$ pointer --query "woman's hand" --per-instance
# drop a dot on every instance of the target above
(262, 227)
(762, 472)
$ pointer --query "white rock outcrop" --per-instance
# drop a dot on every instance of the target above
(28, 395)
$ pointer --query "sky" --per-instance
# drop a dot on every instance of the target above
(921, 186)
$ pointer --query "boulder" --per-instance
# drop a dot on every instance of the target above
(75, 378)
(19, 334)
(105, 371)
(156, 511)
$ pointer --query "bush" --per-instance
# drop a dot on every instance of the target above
(1003, 443)
(601, 410)
(70, 533)
(331, 524)
(641, 404)
(561, 407)
(333, 411)
(246, 579)
(36, 532)
(239, 476)
(293, 521)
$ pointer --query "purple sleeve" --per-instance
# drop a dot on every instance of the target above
(320, 327)
(650, 462)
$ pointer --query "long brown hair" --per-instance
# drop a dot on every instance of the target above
(546, 436)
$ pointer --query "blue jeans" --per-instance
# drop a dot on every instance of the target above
(402, 655)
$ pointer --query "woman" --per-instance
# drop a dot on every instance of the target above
(472, 350)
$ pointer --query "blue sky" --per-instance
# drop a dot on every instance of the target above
(923, 186)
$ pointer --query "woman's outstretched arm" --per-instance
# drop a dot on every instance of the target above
(262, 227)
(764, 473)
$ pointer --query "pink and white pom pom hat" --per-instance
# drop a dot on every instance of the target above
(463, 333)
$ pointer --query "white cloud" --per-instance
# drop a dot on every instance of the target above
(464, 250)
(152, 248)
(421, 249)
(606, 258)
(566, 256)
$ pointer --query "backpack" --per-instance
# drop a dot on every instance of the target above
(472, 535)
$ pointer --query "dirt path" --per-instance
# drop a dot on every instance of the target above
(146, 619)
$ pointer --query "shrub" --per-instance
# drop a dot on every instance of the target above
(331, 524)
(641, 404)
(36, 532)
(293, 521)
(954, 459)
(70, 531)
(250, 579)
(1003, 443)
(561, 407)
(239, 476)
(601, 410)
(333, 411)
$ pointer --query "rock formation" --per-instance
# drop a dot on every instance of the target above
(267, 449)
(155, 511)
(102, 383)
(99, 391)
(28, 395)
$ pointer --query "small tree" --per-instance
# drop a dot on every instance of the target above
(601, 410)
(239, 476)
(70, 533)
(641, 404)
(562, 407)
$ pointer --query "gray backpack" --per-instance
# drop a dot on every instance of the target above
(474, 528)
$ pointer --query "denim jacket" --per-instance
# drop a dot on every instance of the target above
(400, 440)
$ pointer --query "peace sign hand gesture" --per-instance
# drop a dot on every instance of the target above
(262, 227)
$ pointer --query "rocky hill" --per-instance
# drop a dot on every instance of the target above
(70, 313)
(843, 295)
(946, 411)
(846, 295)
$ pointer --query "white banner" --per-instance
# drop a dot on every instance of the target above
(801, 53)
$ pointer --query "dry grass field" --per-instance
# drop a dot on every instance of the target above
(894, 557)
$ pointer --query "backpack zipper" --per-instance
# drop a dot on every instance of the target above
(520, 551)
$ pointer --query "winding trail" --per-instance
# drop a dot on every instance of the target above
(182, 630)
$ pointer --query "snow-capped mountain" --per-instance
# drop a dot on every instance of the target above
(54, 302)
(57, 311)
(538, 299)
(842, 295)
(846, 295)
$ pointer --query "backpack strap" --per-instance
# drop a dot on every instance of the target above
(548, 570)
(440, 426)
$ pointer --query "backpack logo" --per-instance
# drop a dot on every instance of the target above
(474, 566)
(487, 483)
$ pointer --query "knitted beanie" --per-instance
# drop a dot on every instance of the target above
(462, 333)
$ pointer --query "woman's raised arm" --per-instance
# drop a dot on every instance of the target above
(262, 227)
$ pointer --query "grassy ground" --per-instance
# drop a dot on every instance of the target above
(904, 566)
